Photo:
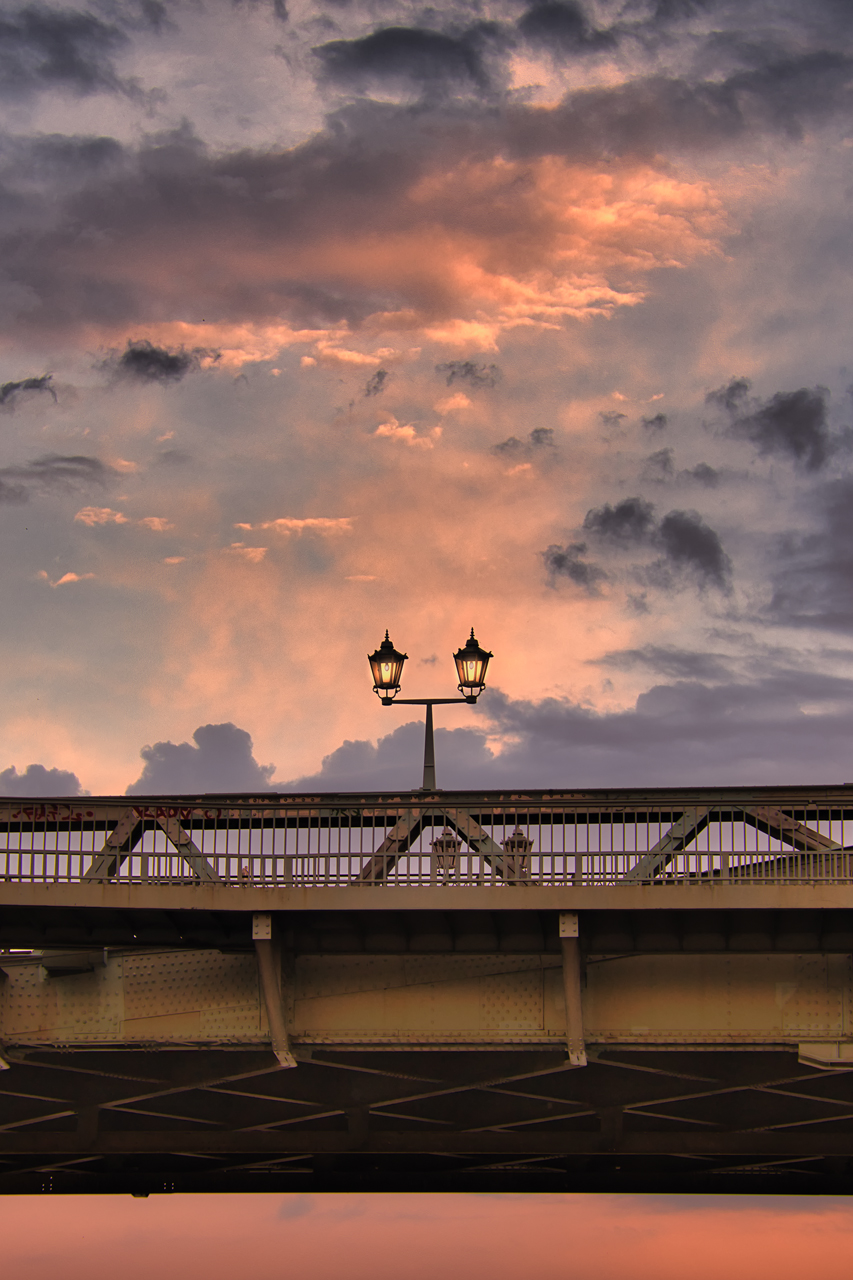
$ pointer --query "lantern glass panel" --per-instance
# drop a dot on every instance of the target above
(386, 665)
(471, 664)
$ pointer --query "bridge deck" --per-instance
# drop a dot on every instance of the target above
(460, 990)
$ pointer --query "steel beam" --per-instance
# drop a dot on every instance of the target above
(269, 967)
(117, 846)
(570, 945)
(187, 849)
(750, 1143)
(215, 898)
(204, 998)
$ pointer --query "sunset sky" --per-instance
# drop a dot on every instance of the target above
(421, 1237)
(327, 316)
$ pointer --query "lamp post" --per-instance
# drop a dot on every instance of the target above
(386, 665)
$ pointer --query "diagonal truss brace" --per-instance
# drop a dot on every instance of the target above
(117, 847)
(398, 840)
(121, 841)
(188, 849)
(476, 838)
(682, 831)
(408, 827)
(783, 826)
(770, 821)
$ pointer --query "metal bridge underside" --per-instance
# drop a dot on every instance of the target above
(149, 1069)
(513, 1120)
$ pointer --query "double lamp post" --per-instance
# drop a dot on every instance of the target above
(386, 665)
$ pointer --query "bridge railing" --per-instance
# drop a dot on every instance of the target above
(774, 837)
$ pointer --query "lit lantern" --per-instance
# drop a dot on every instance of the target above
(386, 666)
(471, 663)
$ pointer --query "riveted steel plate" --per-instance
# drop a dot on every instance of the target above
(707, 999)
(206, 998)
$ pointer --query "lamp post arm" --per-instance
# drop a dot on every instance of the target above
(423, 702)
(429, 736)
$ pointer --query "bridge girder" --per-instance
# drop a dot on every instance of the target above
(238, 992)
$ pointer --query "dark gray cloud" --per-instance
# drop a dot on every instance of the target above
(142, 361)
(813, 574)
(562, 27)
(52, 471)
(221, 761)
(660, 466)
(36, 780)
(539, 438)
(690, 547)
(670, 661)
(612, 417)
(542, 437)
(11, 392)
(417, 55)
(694, 547)
(377, 383)
(566, 562)
(473, 375)
(46, 48)
(396, 761)
(792, 424)
(730, 397)
(684, 733)
(176, 203)
(652, 114)
(656, 423)
(630, 521)
(703, 474)
(512, 445)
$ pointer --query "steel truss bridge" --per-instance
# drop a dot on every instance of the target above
(639, 990)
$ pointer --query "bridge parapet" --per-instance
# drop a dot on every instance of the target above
(578, 839)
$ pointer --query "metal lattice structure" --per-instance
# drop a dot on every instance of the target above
(768, 835)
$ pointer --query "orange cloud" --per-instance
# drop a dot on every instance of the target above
(92, 516)
(313, 524)
(407, 434)
(253, 554)
(100, 515)
(158, 524)
(65, 579)
(461, 253)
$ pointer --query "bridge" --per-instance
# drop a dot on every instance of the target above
(591, 990)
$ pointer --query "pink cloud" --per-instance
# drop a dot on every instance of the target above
(65, 579)
(310, 524)
(100, 515)
(408, 435)
(253, 554)
(158, 524)
(463, 250)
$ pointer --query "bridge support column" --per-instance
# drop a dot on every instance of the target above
(269, 967)
(570, 944)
